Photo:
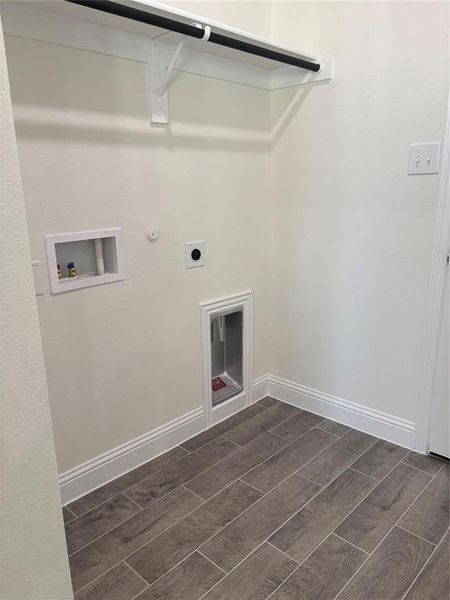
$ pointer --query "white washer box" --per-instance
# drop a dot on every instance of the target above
(97, 256)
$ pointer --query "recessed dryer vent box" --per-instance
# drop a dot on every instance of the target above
(96, 256)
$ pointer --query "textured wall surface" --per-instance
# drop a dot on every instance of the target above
(33, 552)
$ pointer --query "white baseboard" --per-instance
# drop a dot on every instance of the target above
(92, 474)
(377, 423)
(96, 472)
(259, 388)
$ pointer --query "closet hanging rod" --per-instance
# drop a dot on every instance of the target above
(141, 16)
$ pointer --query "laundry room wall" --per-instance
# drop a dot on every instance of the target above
(123, 359)
(352, 232)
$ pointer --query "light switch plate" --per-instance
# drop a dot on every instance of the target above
(194, 254)
(424, 158)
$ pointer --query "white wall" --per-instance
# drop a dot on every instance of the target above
(33, 555)
(352, 233)
(124, 358)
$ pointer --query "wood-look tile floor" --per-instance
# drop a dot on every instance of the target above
(274, 502)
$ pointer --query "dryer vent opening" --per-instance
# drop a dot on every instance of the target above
(226, 334)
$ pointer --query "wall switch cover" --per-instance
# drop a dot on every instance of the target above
(194, 254)
(424, 158)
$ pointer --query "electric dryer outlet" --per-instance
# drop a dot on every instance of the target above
(195, 254)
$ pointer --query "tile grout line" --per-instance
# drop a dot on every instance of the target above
(191, 492)
(256, 417)
(342, 520)
(418, 468)
(190, 512)
(71, 512)
(391, 529)
(209, 560)
(424, 565)
(124, 559)
(310, 480)
(351, 544)
(221, 529)
(265, 431)
(266, 541)
(128, 487)
(226, 431)
(225, 487)
(108, 530)
(285, 448)
(190, 479)
(86, 585)
(299, 564)
(135, 572)
(415, 534)
(188, 452)
(133, 501)
(229, 484)
(339, 436)
(289, 518)
(346, 467)
(361, 473)
(253, 487)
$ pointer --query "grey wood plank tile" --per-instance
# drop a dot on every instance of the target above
(288, 460)
(156, 486)
(333, 427)
(297, 425)
(241, 537)
(268, 401)
(380, 459)
(187, 581)
(313, 523)
(254, 427)
(428, 517)
(107, 491)
(391, 569)
(98, 521)
(335, 459)
(94, 559)
(67, 515)
(367, 525)
(256, 578)
(220, 428)
(323, 575)
(433, 583)
(425, 462)
(161, 554)
(217, 477)
(119, 583)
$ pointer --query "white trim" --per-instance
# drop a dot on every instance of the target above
(242, 301)
(375, 422)
(260, 388)
(435, 298)
(58, 286)
(102, 34)
(92, 474)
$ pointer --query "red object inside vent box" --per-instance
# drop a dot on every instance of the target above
(217, 384)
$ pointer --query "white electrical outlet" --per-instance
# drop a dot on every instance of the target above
(194, 254)
(424, 158)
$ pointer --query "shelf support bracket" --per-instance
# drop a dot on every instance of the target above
(159, 74)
